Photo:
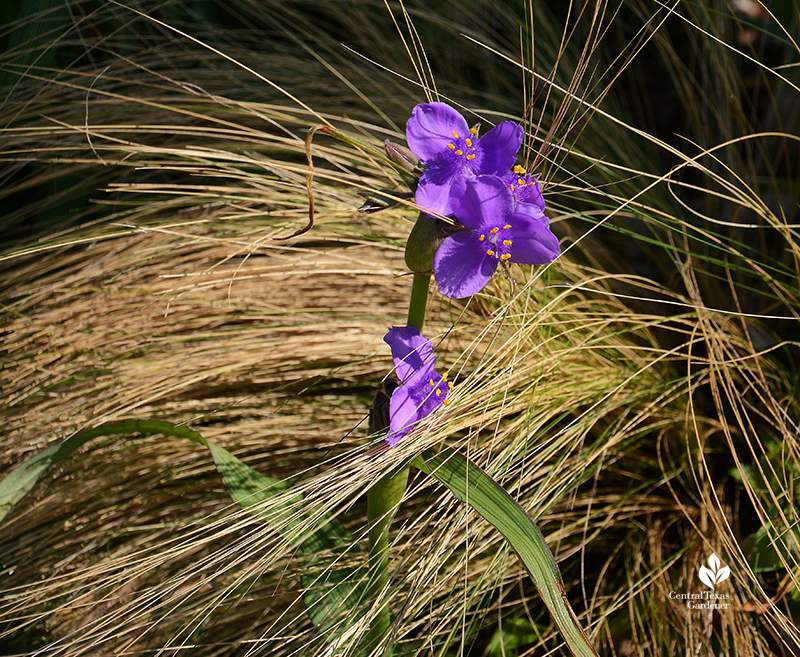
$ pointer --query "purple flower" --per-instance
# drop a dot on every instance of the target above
(496, 231)
(421, 390)
(453, 152)
(524, 187)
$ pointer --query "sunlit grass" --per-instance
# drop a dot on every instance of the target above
(638, 397)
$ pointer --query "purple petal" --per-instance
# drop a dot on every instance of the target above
(403, 413)
(461, 266)
(484, 203)
(534, 243)
(531, 193)
(500, 146)
(527, 191)
(431, 128)
(436, 189)
(412, 353)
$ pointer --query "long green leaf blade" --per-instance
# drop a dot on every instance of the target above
(473, 486)
(330, 591)
(22, 478)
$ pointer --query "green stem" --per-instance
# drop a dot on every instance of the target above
(383, 500)
(418, 301)
(385, 496)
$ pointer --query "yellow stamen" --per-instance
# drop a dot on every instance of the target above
(452, 147)
(506, 226)
(450, 385)
(521, 181)
(455, 134)
(481, 238)
(438, 392)
(490, 253)
(494, 230)
(473, 131)
(519, 169)
(468, 142)
(506, 242)
(512, 187)
(444, 377)
(471, 157)
(459, 152)
(445, 402)
(505, 256)
(432, 383)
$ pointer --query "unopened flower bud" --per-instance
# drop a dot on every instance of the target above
(379, 418)
(384, 198)
(422, 244)
(403, 157)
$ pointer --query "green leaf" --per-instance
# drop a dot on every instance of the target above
(22, 478)
(330, 590)
(473, 486)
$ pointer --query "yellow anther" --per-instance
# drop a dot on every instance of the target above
(494, 230)
(519, 169)
(468, 142)
(507, 226)
(481, 238)
(506, 242)
(512, 187)
(474, 131)
(505, 256)
(452, 147)
(450, 385)
(471, 156)
(445, 402)
(432, 383)
(444, 377)
(455, 134)
(490, 253)
(521, 181)
(459, 152)
(438, 392)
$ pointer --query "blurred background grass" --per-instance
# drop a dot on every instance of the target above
(639, 397)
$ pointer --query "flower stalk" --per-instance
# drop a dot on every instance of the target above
(384, 497)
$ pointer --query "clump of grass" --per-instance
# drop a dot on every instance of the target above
(638, 397)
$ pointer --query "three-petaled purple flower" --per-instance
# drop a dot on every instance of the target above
(422, 390)
(524, 187)
(454, 153)
(498, 228)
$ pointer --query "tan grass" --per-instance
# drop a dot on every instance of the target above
(604, 401)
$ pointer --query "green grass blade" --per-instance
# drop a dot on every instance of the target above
(473, 486)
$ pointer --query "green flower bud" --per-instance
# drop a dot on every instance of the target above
(404, 158)
(422, 244)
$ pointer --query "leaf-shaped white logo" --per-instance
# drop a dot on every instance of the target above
(714, 575)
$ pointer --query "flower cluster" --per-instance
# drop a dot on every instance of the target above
(499, 214)
(499, 208)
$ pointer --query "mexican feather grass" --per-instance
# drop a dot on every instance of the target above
(639, 397)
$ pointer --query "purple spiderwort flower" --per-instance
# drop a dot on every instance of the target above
(524, 187)
(497, 229)
(453, 152)
(421, 390)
